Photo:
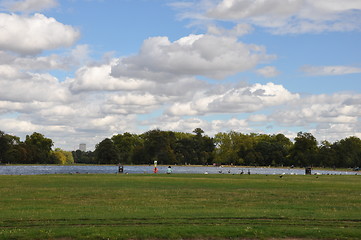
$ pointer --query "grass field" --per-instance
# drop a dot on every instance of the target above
(179, 207)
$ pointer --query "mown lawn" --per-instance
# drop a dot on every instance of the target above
(179, 206)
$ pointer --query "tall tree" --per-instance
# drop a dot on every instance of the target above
(106, 152)
(125, 144)
(4, 146)
(203, 147)
(227, 148)
(39, 148)
(348, 152)
(304, 151)
(327, 156)
(159, 146)
(8, 145)
(84, 157)
(62, 157)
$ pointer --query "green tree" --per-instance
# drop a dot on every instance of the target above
(125, 144)
(284, 146)
(227, 147)
(305, 149)
(106, 152)
(18, 154)
(11, 149)
(4, 146)
(327, 156)
(39, 148)
(185, 150)
(59, 157)
(348, 152)
(84, 157)
(203, 147)
(140, 156)
(62, 157)
(198, 132)
(159, 146)
(7, 145)
(274, 149)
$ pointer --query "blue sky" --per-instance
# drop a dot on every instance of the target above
(82, 70)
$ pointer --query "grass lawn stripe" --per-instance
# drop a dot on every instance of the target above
(179, 206)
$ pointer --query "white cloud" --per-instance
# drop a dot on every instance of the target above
(296, 16)
(33, 87)
(268, 71)
(207, 55)
(258, 118)
(179, 124)
(336, 131)
(339, 108)
(329, 70)
(232, 124)
(66, 61)
(10, 72)
(15, 125)
(235, 100)
(237, 31)
(33, 34)
(211, 127)
(29, 5)
(133, 103)
(183, 88)
(97, 78)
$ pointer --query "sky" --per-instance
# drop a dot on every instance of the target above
(79, 71)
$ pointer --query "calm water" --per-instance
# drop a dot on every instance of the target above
(49, 169)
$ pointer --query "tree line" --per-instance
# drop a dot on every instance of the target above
(168, 147)
(36, 149)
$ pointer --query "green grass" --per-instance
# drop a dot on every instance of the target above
(179, 207)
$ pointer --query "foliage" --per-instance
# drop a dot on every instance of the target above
(39, 148)
(168, 147)
(62, 157)
(36, 149)
(8, 145)
(126, 144)
(304, 151)
(106, 152)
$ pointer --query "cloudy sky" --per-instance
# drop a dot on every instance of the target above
(78, 71)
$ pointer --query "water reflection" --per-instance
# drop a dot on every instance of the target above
(50, 169)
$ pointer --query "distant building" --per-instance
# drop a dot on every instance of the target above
(82, 147)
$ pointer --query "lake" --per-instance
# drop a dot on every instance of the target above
(93, 169)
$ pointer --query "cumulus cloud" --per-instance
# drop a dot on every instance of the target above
(211, 127)
(32, 87)
(268, 71)
(296, 16)
(235, 100)
(336, 131)
(258, 118)
(15, 125)
(207, 55)
(133, 103)
(329, 70)
(29, 5)
(98, 77)
(66, 61)
(34, 34)
(338, 108)
(237, 31)
(10, 72)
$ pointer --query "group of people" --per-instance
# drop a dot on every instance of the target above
(169, 170)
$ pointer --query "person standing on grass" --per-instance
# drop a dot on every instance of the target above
(169, 170)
